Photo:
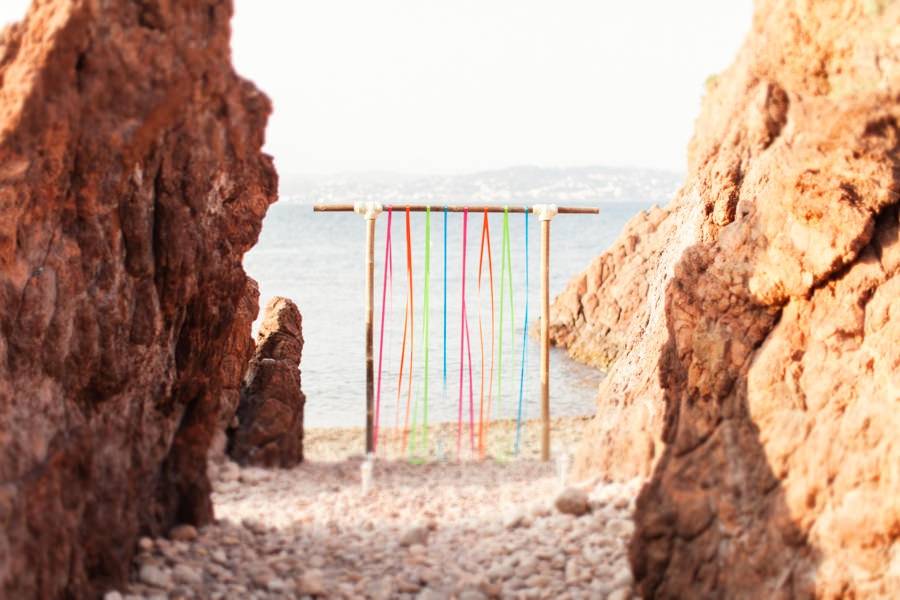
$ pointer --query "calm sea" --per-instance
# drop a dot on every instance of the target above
(317, 260)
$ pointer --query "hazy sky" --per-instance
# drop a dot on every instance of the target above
(458, 85)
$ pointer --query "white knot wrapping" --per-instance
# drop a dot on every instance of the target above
(545, 212)
(370, 210)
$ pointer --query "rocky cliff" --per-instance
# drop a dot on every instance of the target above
(238, 349)
(762, 377)
(131, 184)
(612, 316)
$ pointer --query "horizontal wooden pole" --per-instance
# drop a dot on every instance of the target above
(563, 210)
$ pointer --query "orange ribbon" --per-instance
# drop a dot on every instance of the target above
(484, 423)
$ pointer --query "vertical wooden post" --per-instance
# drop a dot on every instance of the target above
(370, 211)
(370, 371)
(545, 340)
(545, 213)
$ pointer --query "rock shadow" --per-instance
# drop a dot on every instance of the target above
(712, 521)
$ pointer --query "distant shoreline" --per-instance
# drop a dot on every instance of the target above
(590, 184)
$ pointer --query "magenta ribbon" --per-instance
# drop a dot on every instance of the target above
(388, 275)
(464, 343)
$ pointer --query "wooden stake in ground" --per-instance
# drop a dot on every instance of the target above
(370, 211)
(545, 213)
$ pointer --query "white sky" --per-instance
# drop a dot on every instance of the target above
(460, 85)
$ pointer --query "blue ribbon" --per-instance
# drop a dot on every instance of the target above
(445, 302)
(524, 344)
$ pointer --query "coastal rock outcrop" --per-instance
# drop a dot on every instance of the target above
(612, 316)
(269, 430)
(763, 371)
(131, 185)
(590, 317)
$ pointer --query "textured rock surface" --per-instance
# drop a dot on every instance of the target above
(590, 318)
(614, 314)
(269, 431)
(131, 184)
(238, 349)
(780, 369)
(767, 354)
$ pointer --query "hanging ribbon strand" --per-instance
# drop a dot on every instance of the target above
(427, 320)
(407, 319)
(423, 429)
(471, 395)
(398, 432)
(462, 337)
(445, 311)
(388, 275)
(464, 343)
(524, 346)
(505, 282)
(491, 402)
(484, 408)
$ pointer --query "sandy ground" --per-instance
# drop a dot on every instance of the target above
(429, 529)
(329, 444)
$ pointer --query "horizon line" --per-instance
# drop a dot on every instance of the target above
(463, 172)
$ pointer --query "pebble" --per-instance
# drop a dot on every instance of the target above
(432, 594)
(187, 574)
(573, 501)
(503, 571)
(622, 593)
(491, 590)
(262, 578)
(468, 531)
(407, 586)
(416, 535)
(311, 583)
(155, 576)
(384, 589)
(255, 526)
(623, 578)
(620, 528)
(145, 544)
(514, 520)
(183, 533)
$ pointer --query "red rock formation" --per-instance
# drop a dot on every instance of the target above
(131, 184)
(269, 432)
(238, 348)
(612, 316)
(768, 351)
(591, 316)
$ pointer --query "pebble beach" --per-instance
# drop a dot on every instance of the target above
(432, 528)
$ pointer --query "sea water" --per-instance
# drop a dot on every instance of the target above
(318, 260)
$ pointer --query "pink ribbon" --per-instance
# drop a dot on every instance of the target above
(388, 275)
(463, 344)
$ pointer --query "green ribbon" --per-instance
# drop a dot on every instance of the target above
(505, 282)
(423, 430)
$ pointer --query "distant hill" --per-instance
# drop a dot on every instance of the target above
(572, 185)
